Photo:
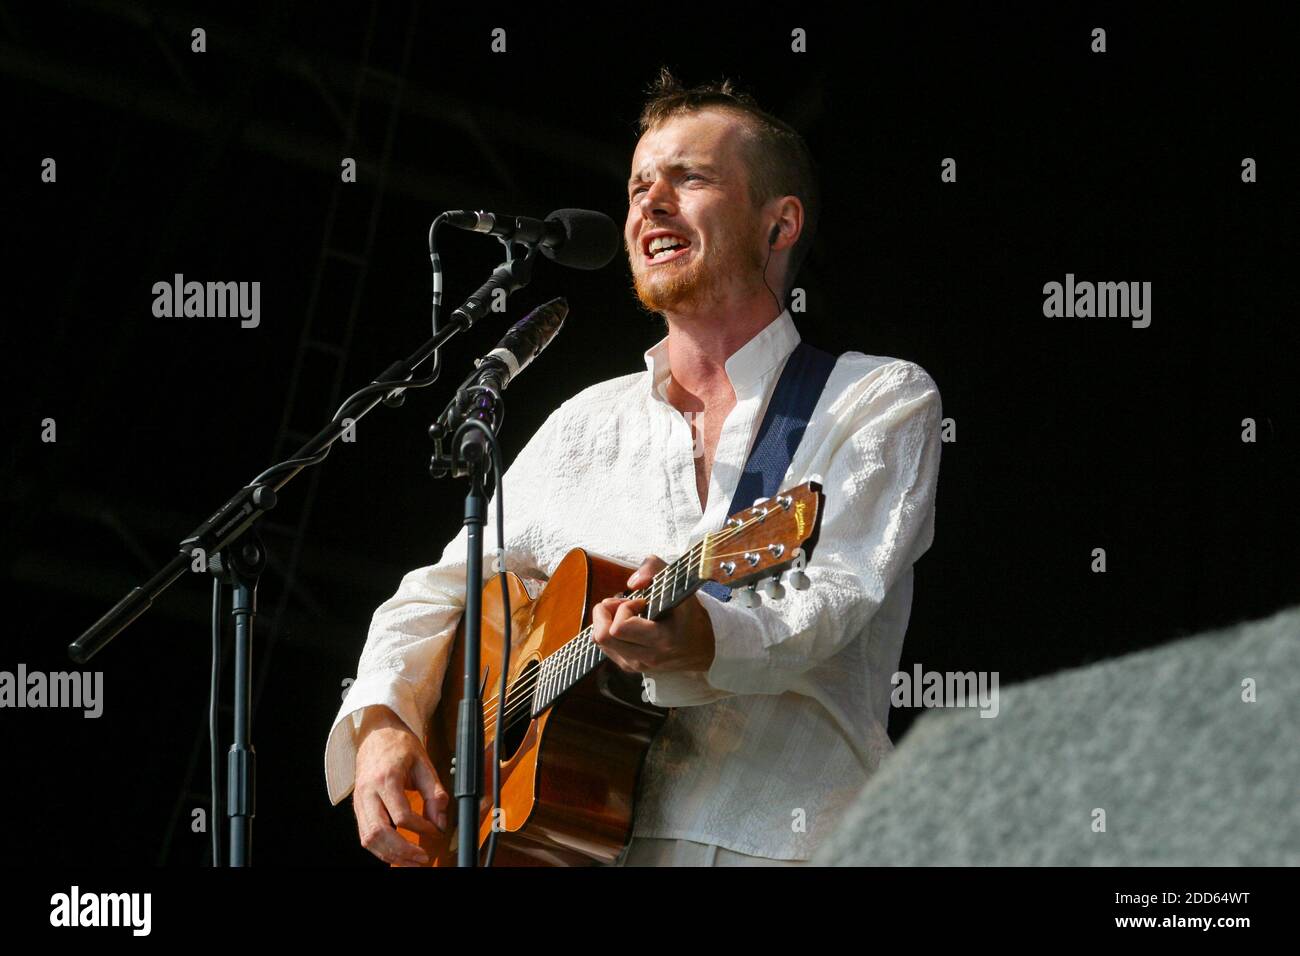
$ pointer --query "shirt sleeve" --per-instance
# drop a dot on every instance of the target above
(880, 492)
(410, 637)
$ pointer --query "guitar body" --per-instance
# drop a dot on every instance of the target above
(568, 777)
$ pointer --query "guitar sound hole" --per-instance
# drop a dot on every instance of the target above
(518, 711)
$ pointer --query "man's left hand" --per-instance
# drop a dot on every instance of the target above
(681, 640)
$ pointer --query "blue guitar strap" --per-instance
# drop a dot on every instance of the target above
(782, 428)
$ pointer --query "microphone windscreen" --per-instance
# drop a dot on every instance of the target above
(592, 239)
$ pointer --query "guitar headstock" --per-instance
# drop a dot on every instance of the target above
(761, 542)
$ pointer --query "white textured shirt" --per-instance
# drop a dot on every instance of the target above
(764, 752)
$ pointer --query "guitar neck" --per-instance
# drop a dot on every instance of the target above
(760, 541)
(580, 656)
(674, 583)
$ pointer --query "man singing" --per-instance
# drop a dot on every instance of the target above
(779, 712)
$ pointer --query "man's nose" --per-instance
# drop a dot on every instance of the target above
(658, 200)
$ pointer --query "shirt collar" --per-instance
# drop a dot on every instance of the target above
(746, 367)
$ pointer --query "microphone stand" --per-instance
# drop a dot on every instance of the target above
(470, 457)
(223, 546)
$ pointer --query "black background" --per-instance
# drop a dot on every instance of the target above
(1072, 434)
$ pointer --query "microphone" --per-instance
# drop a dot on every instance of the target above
(520, 345)
(578, 238)
(480, 396)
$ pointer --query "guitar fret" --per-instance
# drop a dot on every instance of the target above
(706, 559)
(580, 655)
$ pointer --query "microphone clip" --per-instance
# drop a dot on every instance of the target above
(457, 447)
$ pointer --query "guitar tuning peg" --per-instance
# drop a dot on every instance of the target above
(759, 501)
(798, 580)
(746, 597)
(772, 588)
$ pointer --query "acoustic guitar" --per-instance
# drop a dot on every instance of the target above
(577, 728)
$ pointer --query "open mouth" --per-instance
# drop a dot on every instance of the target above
(664, 248)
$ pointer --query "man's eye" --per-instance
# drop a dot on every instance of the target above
(641, 188)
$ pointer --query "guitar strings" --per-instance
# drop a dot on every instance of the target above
(581, 643)
(520, 690)
(576, 645)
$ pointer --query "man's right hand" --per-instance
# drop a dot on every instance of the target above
(390, 760)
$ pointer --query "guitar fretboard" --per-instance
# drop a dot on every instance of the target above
(578, 657)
